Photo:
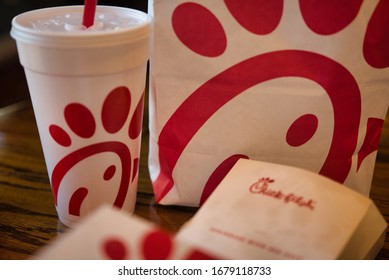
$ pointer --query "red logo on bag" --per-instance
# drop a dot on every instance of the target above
(204, 32)
(262, 187)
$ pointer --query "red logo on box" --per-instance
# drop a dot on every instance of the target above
(261, 187)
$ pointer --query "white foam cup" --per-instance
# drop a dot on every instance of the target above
(87, 89)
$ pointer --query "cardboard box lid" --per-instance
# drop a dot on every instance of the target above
(268, 211)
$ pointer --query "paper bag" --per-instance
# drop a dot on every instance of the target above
(270, 211)
(302, 83)
(110, 234)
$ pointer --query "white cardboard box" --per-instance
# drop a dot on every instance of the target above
(112, 234)
(269, 211)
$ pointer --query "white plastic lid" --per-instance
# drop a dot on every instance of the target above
(24, 31)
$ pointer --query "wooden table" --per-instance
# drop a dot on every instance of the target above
(28, 218)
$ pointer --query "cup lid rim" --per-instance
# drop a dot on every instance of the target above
(20, 30)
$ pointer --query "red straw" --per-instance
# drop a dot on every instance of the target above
(89, 13)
